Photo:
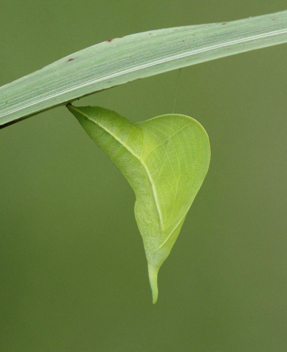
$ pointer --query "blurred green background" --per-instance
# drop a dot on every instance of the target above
(73, 274)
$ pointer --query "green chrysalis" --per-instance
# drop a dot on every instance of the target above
(165, 160)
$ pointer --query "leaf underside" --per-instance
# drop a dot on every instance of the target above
(140, 55)
(165, 160)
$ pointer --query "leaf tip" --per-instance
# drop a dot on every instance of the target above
(152, 272)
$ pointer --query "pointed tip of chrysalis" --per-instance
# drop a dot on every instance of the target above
(152, 272)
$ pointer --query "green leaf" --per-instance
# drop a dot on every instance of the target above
(165, 160)
(122, 60)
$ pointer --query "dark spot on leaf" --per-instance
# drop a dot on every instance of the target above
(182, 40)
(273, 19)
(110, 40)
(224, 23)
(71, 59)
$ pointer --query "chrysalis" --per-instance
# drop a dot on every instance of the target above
(165, 160)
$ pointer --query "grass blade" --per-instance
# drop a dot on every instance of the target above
(121, 60)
